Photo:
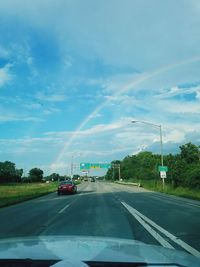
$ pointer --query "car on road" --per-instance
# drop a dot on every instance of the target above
(67, 187)
(92, 179)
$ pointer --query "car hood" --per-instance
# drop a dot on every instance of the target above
(91, 249)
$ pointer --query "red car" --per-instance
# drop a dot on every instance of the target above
(67, 187)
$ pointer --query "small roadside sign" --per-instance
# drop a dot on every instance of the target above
(163, 174)
(162, 168)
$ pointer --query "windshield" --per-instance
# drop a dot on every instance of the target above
(105, 96)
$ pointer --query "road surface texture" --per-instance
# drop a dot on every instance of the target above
(108, 210)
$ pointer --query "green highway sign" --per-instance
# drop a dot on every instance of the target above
(94, 166)
(162, 168)
(84, 166)
(87, 166)
(105, 165)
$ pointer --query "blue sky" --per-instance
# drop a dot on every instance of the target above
(73, 74)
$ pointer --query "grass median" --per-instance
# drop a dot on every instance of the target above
(15, 193)
(168, 189)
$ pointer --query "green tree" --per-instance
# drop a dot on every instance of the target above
(184, 168)
(53, 177)
(36, 175)
(190, 153)
(9, 173)
(192, 176)
(76, 176)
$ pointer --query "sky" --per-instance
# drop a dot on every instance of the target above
(74, 74)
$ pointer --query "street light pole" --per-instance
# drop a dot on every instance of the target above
(72, 166)
(161, 141)
(161, 145)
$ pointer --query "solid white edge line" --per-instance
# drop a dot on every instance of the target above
(158, 237)
(63, 209)
(175, 239)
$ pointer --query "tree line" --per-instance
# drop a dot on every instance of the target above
(10, 174)
(183, 168)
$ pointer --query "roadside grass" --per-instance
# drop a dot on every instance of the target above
(168, 188)
(15, 193)
(77, 182)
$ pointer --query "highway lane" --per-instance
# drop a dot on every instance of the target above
(179, 216)
(111, 210)
(29, 217)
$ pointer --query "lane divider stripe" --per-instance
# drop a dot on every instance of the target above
(156, 235)
(175, 239)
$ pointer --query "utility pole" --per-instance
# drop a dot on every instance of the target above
(119, 172)
(117, 166)
(113, 173)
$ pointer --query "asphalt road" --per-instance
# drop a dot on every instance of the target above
(108, 210)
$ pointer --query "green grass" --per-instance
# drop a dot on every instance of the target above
(15, 193)
(77, 182)
(168, 189)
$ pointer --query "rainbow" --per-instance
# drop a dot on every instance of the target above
(125, 88)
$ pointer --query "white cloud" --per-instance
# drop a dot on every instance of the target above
(51, 110)
(5, 75)
(94, 130)
(97, 115)
(51, 98)
(126, 37)
(125, 42)
(4, 53)
(101, 128)
(107, 142)
(29, 60)
(176, 91)
(32, 106)
(58, 166)
(67, 63)
(173, 91)
(17, 117)
(198, 94)
(117, 83)
(175, 136)
(178, 107)
(125, 100)
(27, 141)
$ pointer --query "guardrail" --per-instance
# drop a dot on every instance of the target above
(128, 183)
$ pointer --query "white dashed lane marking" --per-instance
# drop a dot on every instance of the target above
(63, 209)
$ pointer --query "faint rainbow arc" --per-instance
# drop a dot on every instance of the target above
(125, 88)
